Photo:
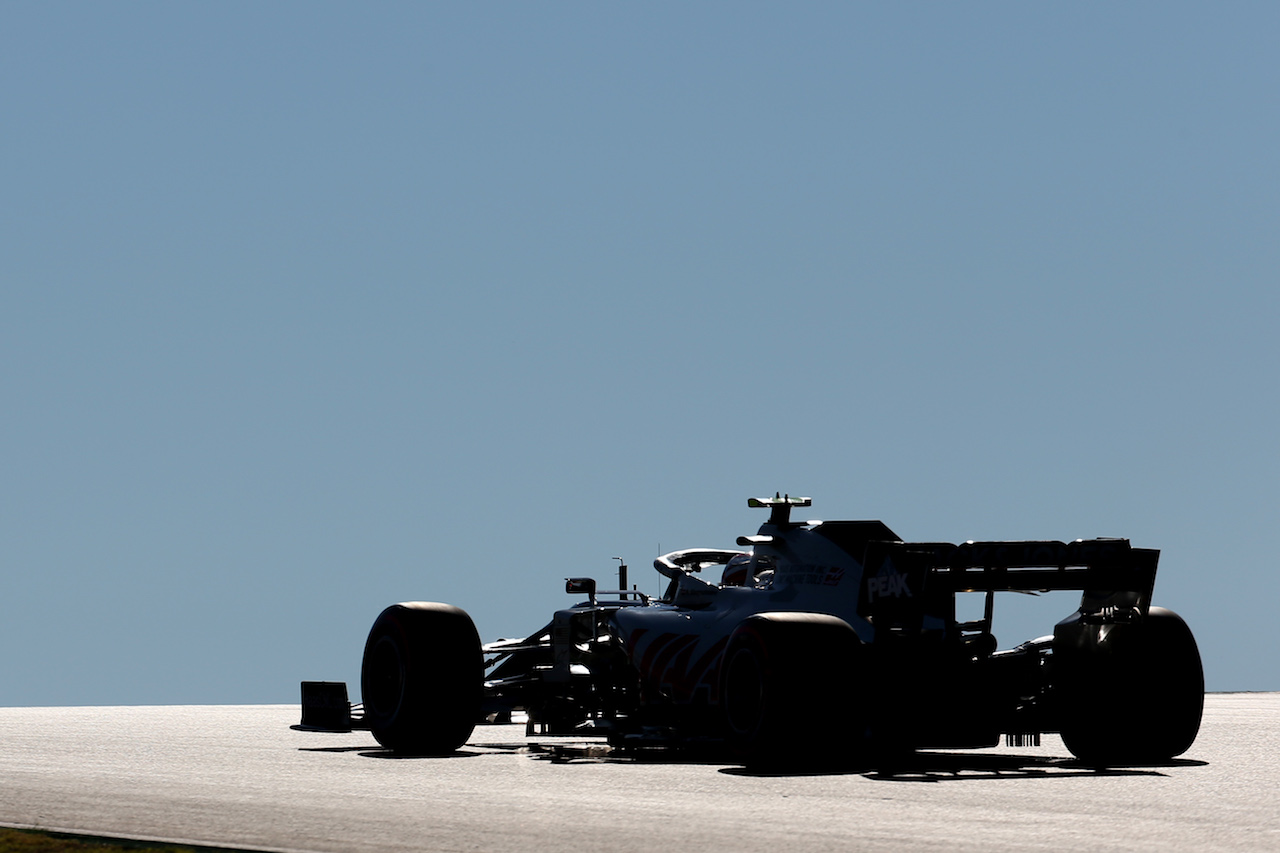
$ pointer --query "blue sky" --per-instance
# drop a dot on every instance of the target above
(307, 308)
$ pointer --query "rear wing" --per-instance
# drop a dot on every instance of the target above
(1111, 574)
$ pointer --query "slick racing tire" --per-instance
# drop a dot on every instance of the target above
(785, 680)
(422, 678)
(1129, 693)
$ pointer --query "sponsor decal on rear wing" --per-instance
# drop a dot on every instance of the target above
(1109, 572)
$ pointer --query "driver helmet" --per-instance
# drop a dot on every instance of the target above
(736, 571)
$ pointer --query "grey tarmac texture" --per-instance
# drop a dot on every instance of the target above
(240, 777)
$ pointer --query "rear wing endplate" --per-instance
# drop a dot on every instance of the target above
(1109, 572)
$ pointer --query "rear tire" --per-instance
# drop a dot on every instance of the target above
(422, 678)
(1129, 693)
(783, 677)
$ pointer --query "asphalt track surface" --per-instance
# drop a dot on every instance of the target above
(239, 777)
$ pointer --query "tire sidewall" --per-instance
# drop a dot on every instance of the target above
(781, 673)
(1129, 693)
(421, 678)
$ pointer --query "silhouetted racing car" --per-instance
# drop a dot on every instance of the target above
(838, 622)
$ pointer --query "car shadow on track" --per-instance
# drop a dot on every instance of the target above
(924, 766)
(375, 752)
(959, 767)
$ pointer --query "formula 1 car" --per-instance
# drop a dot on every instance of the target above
(814, 621)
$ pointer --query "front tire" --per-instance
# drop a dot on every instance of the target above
(422, 678)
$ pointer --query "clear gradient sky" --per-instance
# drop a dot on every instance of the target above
(308, 308)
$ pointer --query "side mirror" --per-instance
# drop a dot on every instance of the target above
(581, 586)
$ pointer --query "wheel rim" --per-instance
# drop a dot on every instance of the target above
(384, 678)
(744, 693)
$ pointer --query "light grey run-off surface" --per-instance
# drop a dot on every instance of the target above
(239, 777)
